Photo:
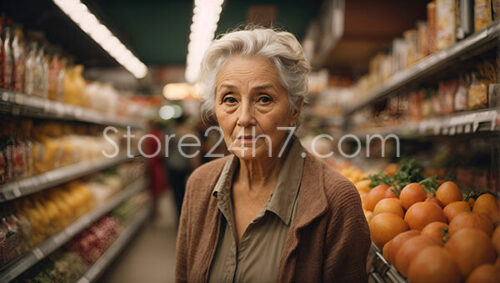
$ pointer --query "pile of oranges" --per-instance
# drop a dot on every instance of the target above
(435, 237)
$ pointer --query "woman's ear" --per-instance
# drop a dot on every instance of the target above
(298, 109)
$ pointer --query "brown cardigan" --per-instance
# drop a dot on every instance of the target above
(328, 240)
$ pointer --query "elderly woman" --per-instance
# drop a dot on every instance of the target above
(270, 212)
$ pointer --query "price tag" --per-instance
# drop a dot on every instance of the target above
(460, 129)
(46, 106)
(5, 96)
(467, 128)
(445, 131)
(60, 238)
(16, 110)
(59, 108)
(38, 253)
(19, 99)
(15, 190)
(452, 131)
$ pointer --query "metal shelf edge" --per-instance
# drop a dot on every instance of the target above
(29, 185)
(103, 262)
(42, 250)
(457, 124)
(435, 60)
(41, 107)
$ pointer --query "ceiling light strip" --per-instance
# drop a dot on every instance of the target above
(81, 15)
(206, 14)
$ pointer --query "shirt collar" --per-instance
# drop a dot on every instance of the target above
(283, 197)
(285, 193)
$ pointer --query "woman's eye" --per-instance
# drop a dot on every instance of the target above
(229, 99)
(265, 99)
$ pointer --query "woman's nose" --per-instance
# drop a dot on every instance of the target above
(246, 117)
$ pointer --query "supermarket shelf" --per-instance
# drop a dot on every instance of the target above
(381, 270)
(29, 185)
(31, 106)
(110, 254)
(473, 122)
(42, 250)
(430, 65)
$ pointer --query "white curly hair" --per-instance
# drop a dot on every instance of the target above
(280, 47)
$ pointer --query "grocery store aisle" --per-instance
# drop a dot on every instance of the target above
(150, 257)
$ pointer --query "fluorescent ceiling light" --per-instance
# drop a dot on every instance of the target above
(206, 14)
(79, 13)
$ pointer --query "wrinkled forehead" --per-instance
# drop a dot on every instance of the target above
(248, 70)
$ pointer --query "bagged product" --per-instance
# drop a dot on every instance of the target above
(2, 55)
(482, 14)
(423, 40)
(427, 109)
(465, 18)
(496, 9)
(19, 60)
(31, 74)
(55, 67)
(445, 18)
(431, 26)
(411, 38)
(460, 103)
(8, 66)
(447, 91)
(477, 97)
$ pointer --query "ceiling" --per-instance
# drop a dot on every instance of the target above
(157, 30)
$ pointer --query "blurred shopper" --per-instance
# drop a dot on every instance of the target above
(157, 172)
(249, 217)
(179, 163)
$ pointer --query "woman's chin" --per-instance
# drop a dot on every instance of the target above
(249, 154)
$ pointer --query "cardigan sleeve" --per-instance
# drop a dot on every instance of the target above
(183, 236)
(347, 239)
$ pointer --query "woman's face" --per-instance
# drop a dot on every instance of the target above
(250, 106)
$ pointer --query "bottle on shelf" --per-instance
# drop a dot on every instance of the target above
(8, 70)
(19, 60)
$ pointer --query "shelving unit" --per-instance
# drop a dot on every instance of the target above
(29, 185)
(20, 104)
(431, 64)
(480, 121)
(14, 269)
(110, 254)
(382, 271)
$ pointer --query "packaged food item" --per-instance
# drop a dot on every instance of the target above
(477, 96)
(8, 70)
(19, 60)
(12, 237)
(55, 67)
(446, 92)
(415, 110)
(460, 103)
(2, 55)
(482, 14)
(411, 37)
(496, 9)
(494, 95)
(3, 158)
(431, 26)
(465, 18)
(399, 55)
(445, 19)
(427, 109)
(42, 82)
(423, 40)
(32, 70)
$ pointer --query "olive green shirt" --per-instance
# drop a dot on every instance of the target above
(257, 257)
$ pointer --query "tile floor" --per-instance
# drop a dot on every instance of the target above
(150, 256)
